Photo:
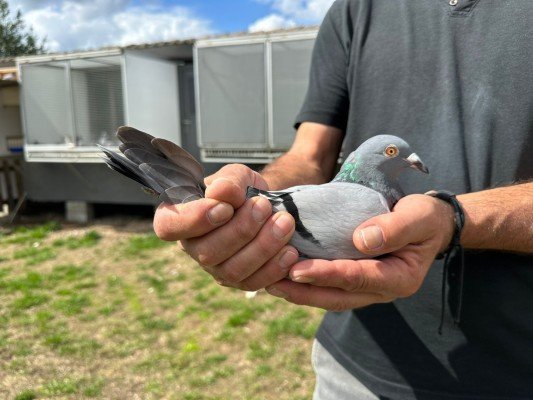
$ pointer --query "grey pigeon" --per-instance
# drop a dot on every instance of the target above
(326, 215)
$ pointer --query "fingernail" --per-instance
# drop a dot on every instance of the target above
(220, 213)
(372, 237)
(287, 259)
(276, 292)
(282, 226)
(261, 209)
(301, 278)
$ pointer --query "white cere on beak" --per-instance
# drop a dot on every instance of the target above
(416, 163)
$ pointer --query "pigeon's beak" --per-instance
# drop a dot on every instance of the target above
(416, 163)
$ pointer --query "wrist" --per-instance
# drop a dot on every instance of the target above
(447, 225)
(451, 221)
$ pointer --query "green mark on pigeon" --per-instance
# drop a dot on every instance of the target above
(348, 172)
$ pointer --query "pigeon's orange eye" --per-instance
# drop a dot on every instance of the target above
(391, 151)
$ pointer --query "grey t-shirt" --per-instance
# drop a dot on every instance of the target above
(457, 83)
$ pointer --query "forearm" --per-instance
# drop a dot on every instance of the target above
(499, 219)
(311, 159)
(287, 171)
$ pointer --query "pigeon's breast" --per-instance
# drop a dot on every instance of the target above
(327, 215)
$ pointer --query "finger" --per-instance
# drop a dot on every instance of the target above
(273, 271)
(230, 182)
(219, 245)
(252, 258)
(332, 299)
(390, 276)
(196, 218)
(414, 219)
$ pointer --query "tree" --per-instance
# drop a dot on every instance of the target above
(15, 39)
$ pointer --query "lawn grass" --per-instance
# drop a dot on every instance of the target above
(111, 312)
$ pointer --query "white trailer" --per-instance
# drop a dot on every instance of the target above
(73, 102)
(225, 99)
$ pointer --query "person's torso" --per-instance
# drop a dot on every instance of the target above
(457, 83)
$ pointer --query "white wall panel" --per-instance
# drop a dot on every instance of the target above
(291, 62)
(152, 101)
(232, 96)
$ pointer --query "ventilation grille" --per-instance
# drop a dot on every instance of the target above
(98, 104)
(232, 155)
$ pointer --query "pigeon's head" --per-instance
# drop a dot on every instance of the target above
(383, 154)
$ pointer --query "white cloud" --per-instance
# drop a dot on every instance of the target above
(75, 24)
(293, 12)
(83, 24)
(270, 23)
(304, 10)
(139, 26)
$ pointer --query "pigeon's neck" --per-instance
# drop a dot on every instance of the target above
(390, 189)
(374, 178)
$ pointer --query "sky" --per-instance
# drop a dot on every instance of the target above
(88, 24)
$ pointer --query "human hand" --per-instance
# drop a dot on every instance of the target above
(418, 228)
(238, 241)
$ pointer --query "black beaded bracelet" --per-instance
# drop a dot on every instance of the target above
(459, 222)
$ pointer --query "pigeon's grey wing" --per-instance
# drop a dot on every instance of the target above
(289, 190)
(253, 192)
(180, 157)
(327, 215)
(275, 196)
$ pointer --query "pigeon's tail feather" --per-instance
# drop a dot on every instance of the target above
(123, 147)
(166, 177)
(180, 157)
(129, 169)
(181, 194)
(140, 156)
(162, 168)
(134, 137)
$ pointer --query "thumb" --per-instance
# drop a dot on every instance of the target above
(389, 232)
